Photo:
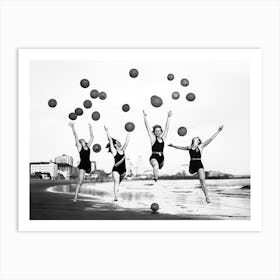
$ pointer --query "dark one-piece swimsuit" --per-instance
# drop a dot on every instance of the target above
(119, 165)
(157, 152)
(85, 163)
(195, 162)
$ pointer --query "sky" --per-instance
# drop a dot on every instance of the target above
(222, 89)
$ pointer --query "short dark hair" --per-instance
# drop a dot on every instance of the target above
(157, 126)
(108, 145)
(198, 140)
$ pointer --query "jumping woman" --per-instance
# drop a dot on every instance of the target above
(84, 151)
(196, 166)
(118, 152)
(157, 138)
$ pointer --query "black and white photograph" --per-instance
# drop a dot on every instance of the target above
(139, 140)
(141, 135)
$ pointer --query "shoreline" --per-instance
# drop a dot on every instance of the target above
(45, 205)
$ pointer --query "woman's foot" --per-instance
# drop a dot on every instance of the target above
(208, 200)
(115, 199)
(74, 201)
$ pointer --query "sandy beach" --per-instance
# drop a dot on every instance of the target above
(48, 205)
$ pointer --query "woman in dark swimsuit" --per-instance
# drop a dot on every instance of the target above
(157, 138)
(196, 166)
(84, 151)
(119, 169)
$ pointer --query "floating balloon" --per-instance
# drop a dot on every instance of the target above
(190, 96)
(182, 131)
(95, 116)
(170, 77)
(133, 73)
(184, 82)
(96, 148)
(102, 95)
(72, 116)
(84, 83)
(156, 101)
(79, 111)
(87, 104)
(125, 107)
(154, 207)
(94, 93)
(129, 126)
(175, 95)
(52, 103)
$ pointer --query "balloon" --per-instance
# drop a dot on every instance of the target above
(125, 107)
(133, 73)
(94, 93)
(78, 111)
(52, 103)
(129, 126)
(102, 95)
(96, 148)
(175, 95)
(156, 101)
(95, 116)
(87, 104)
(72, 116)
(182, 131)
(84, 83)
(184, 82)
(190, 96)
(170, 77)
(154, 207)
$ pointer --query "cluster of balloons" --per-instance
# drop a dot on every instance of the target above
(155, 100)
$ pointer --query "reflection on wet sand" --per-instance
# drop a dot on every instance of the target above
(229, 197)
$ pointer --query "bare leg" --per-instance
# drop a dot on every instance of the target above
(80, 182)
(116, 178)
(201, 176)
(155, 166)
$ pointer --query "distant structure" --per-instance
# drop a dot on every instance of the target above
(44, 170)
(64, 159)
(61, 168)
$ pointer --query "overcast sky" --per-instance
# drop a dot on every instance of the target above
(222, 91)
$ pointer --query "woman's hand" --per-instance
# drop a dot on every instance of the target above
(144, 113)
(89, 125)
(71, 124)
(220, 128)
(169, 113)
(106, 128)
(170, 145)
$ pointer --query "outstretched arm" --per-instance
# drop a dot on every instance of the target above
(167, 125)
(179, 147)
(91, 135)
(110, 141)
(126, 141)
(148, 127)
(205, 143)
(78, 144)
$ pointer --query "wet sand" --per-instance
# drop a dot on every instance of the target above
(46, 205)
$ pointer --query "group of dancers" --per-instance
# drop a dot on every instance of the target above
(157, 139)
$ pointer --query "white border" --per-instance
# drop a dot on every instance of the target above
(253, 55)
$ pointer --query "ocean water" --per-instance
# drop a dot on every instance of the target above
(178, 197)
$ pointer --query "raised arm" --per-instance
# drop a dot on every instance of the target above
(148, 127)
(78, 144)
(91, 135)
(179, 147)
(167, 125)
(205, 143)
(126, 141)
(114, 152)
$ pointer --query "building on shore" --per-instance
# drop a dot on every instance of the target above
(64, 159)
(45, 169)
